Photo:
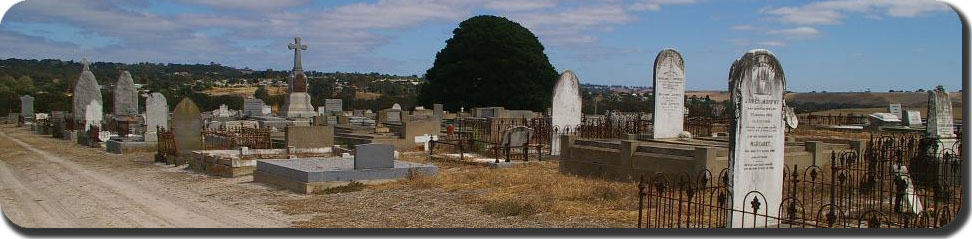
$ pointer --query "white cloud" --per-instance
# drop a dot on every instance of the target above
(796, 32)
(655, 5)
(516, 5)
(745, 28)
(834, 11)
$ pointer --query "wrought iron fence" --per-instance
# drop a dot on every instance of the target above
(223, 138)
(896, 183)
(830, 119)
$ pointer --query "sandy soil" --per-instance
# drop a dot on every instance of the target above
(46, 182)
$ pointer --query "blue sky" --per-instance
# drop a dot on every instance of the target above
(834, 45)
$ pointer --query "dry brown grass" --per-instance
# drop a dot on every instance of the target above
(531, 189)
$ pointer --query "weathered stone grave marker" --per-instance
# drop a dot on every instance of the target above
(895, 109)
(126, 96)
(27, 107)
(756, 133)
(669, 87)
(912, 118)
(333, 105)
(253, 107)
(187, 127)
(156, 115)
(87, 94)
(566, 111)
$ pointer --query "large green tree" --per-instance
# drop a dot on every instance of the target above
(490, 61)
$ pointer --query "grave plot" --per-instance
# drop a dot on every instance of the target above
(243, 162)
(493, 140)
(372, 163)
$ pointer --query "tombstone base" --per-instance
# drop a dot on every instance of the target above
(126, 147)
(309, 175)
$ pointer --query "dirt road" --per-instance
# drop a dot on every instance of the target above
(57, 184)
(46, 182)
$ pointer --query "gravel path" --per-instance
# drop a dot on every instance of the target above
(46, 182)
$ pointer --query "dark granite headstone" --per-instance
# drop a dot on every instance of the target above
(371, 156)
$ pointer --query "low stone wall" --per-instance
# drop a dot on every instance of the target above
(122, 147)
(630, 159)
(238, 163)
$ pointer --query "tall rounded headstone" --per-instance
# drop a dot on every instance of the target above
(669, 89)
(126, 96)
(86, 91)
(27, 107)
(756, 132)
(156, 115)
(187, 127)
(566, 111)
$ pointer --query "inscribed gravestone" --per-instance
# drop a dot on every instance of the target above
(156, 115)
(253, 107)
(393, 115)
(912, 118)
(437, 110)
(669, 87)
(940, 124)
(517, 136)
(566, 111)
(27, 107)
(93, 115)
(895, 109)
(372, 156)
(86, 91)
(396, 106)
(333, 105)
(126, 97)
(756, 135)
(187, 126)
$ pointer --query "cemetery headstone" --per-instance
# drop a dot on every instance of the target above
(940, 125)
(756, 133)
(253, 107)
(86, 91)
(895, 109)
(27, 107)
(912, 118)
(437, 110)
(566, 111)
(298, 101)
(373, 156)
(156, 115)
(187, 127)
(126, 96)
(93, 115)
(333, 105)
(396, 106)
(669, 87)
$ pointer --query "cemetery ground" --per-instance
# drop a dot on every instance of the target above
(49, 183)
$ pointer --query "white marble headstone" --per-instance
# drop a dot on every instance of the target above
(156, 115)
(669, 87)
(566, 112)
(756, 133)
(895, 109)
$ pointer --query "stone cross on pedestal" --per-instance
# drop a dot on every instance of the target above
(297, 47)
